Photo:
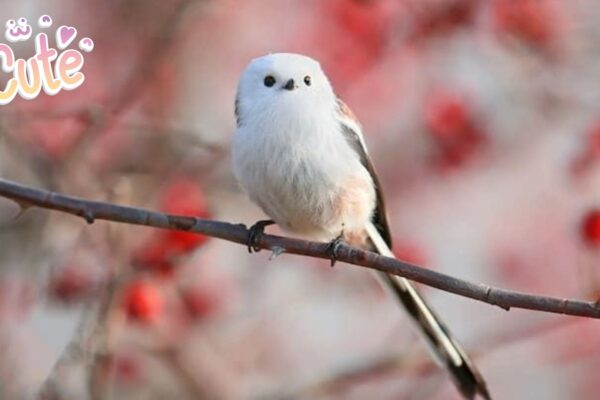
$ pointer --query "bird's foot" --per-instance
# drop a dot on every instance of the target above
(334, 246)
(254, 234)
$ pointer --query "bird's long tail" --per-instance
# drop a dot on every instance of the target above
(445, 348)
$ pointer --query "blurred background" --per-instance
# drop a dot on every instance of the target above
(483, 118)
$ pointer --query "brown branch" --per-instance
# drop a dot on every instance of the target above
(92, 210)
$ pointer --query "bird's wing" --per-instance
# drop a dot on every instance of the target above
(441, 342)
(353, 133)
(238, 118)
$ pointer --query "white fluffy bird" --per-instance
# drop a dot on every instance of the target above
(299, 153)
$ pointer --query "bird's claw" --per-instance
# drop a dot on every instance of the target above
(254, 234)
(333, 248)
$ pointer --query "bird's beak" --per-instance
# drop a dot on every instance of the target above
(290, 85)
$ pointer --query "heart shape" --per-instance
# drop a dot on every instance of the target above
(65, 35)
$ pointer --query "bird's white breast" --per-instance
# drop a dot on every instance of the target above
(301, 171)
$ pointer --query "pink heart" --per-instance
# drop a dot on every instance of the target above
(65, 35)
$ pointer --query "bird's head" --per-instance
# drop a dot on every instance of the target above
(283, 82)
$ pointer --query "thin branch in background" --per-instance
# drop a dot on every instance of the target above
(92, 210)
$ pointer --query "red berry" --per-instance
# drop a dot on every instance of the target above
(199, 303)
(151, 253)
(181, 197)
(590, 228)
(71, 283)
(358, 30)
(453, 128)
(143, 301)
(156, 255)
(441, 18)
(182, 242)
(123, 368)
(531, 21)
(184, 197)
(447, 116)
(366, 21)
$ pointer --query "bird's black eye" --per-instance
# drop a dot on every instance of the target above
(269, 81)
(307, 80)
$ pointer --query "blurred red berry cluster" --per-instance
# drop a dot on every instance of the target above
(532, 22)
(155, 263)
(162, 251)
(358, 32)
(453, 128)
(435, 18)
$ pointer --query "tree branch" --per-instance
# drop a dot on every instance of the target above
(92, 210)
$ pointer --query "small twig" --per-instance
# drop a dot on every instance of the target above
(95, 210)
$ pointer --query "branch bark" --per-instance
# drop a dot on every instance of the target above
(237, 233)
